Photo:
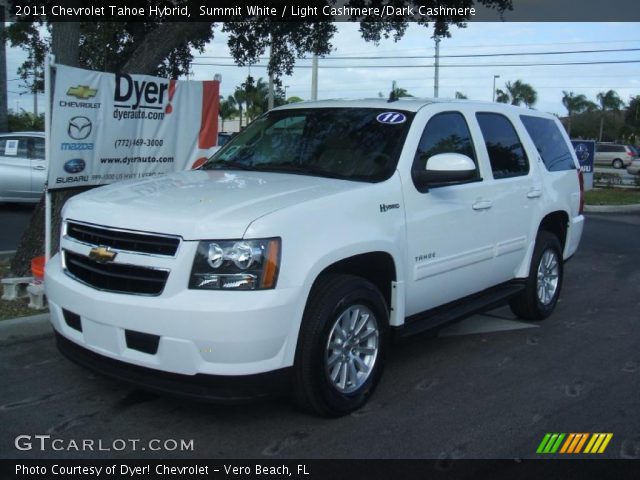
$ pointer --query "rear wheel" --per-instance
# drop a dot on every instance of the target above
(341, 345)
(540, 296)
(617, 163)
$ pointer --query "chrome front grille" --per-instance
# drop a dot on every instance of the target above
(123, 240)
(139, 264)
(115, 277)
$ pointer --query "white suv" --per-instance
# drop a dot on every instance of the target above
(290, 258)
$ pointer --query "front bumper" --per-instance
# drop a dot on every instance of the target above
(235, 333)
(213, 388)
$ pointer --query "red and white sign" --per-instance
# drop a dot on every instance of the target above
(108, 127)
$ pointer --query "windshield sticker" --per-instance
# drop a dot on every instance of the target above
(391, 118)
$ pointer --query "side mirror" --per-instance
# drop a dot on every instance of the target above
(444, 169)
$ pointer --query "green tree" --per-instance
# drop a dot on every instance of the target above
(23, 121)
(608, 101)
(574, 104)
(632, 115)
(294, 99)
(257, 97)
(461, 96)
(228, 109)
(398, 92)
(517, 93)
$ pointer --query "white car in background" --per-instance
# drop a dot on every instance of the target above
(23, 169)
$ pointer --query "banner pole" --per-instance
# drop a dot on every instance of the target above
(49, 65)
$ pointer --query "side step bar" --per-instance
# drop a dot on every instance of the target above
(459, 309)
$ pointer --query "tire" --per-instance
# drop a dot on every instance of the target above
(335, 303)
(537, 302)
(617, 163)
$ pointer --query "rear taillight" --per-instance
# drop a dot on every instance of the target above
(581, 182)
(631, 154)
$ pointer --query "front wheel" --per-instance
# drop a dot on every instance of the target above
(341, 345)
(542, 290)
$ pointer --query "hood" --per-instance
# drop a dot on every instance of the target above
(199, 204)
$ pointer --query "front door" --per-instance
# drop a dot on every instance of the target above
(449, 228)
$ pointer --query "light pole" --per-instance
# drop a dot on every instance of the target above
(285, 92)
(436, 76)
(494, 87)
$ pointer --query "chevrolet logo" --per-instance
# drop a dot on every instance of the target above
(102, 254)
(82, 91)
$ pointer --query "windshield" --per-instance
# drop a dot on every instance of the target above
(349, 143)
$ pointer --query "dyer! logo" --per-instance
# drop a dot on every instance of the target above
(574, 443)
(135, 94)
(79, 128)
(82, 91)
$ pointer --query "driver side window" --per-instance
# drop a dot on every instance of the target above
(445, 133)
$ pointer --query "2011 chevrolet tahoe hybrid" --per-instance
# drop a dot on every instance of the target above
(292, 255)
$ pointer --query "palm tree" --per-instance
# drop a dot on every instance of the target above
(517, 93)
(609, 101)
(502, 96)
(397, 92)
(240, 97)
(228, 109)
(574, 104)
(257, 98)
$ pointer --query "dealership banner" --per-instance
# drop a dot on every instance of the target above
(108, 127)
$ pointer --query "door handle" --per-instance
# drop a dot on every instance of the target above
(534, 193)
(482, 205)
(39, 167)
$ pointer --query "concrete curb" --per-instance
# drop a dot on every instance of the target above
(612, 208)
(22, 328)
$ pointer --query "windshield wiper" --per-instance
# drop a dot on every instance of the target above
(227, 166)
(296, 168)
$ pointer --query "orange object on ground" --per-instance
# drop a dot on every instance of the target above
(37, 268)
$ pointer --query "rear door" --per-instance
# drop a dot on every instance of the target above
(15, 169)
(516, 190)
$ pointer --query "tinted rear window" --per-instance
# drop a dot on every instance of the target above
(506, 154)
(550, 143)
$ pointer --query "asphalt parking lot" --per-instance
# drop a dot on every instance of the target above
(490, 387)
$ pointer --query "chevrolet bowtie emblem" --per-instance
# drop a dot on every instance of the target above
(102, 254)
(82, 91)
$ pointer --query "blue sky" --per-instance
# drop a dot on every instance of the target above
(364, 80)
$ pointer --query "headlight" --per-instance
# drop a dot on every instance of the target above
(236, 264)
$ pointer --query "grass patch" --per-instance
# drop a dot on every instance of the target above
(14, 308)
(612, 196)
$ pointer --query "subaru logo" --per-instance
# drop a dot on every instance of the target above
(391, 118)
(79, 128)
(75, 165)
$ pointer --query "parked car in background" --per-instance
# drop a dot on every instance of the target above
(23, 170)
(634, 168)
(614, 155)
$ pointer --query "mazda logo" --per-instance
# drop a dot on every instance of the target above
(79, 128)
